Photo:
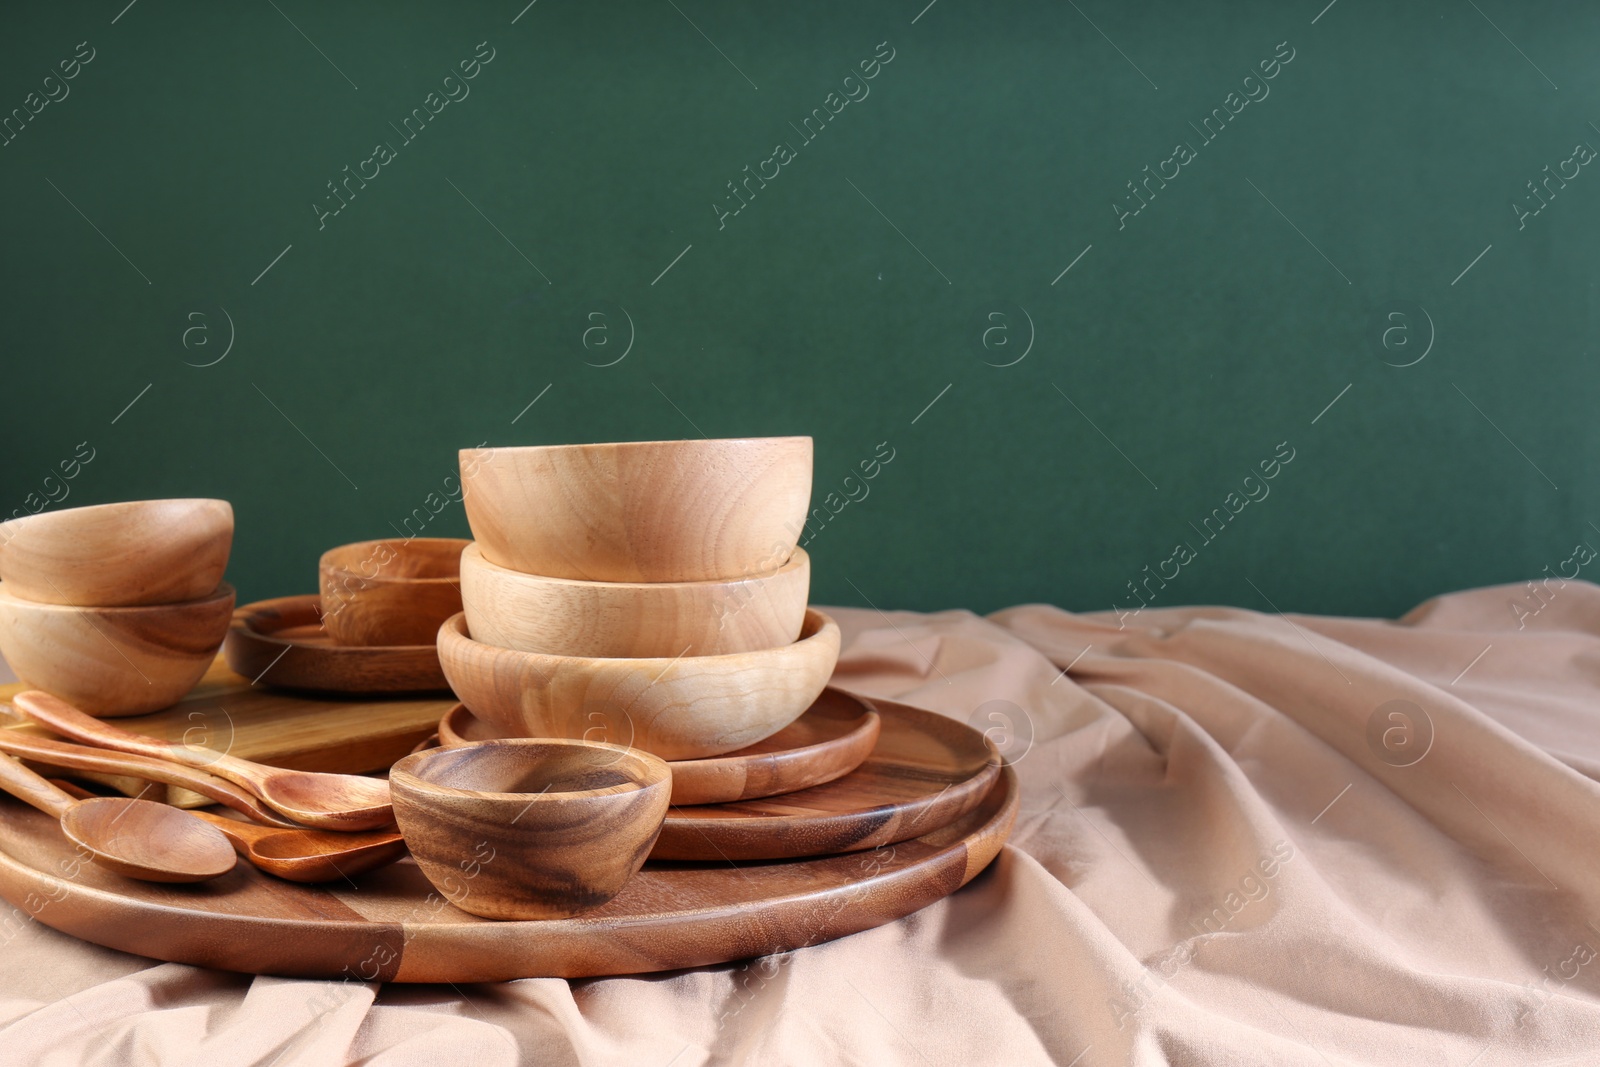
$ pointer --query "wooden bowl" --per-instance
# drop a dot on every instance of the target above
(392, 591)
(530, 829)
(683, 708)
(640, 511)
(565, 617)
(118, 555)
(113, 661)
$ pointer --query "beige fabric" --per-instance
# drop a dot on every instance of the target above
(1218, 861)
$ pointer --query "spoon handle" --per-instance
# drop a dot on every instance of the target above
(84, 758)
(56, 714)
(32, 789)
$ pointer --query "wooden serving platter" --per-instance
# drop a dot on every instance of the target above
(831, 739)
(306, 733)
(282, 643)
(390, 925)
(925, 770)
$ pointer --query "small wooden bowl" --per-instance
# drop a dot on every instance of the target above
(118, 555)
(683, 708)
(530, 829)
(113, 661)
(640, 511)
(564, 617)
(391, 591)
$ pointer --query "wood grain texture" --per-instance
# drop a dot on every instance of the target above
(281, 643)
(115, 660)
(640, 511)
(111, 555)
(831, 739)
(683, 708)
(530, 829)
(563, 617)
(304, 732)
(395, 927)
(327, 801)
(301, 855)
(925, 770)
(390, 592)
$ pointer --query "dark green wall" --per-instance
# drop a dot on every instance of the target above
(1177, 353)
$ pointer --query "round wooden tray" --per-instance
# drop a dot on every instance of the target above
(281, 643)
(392, 927)
(925, 771)
(831, 739)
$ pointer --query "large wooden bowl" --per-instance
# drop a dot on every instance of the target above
(392, 591)
(118, 555)
(640, 511)
(683, 708)
(530, 829)
(113, 661)
(564, 617)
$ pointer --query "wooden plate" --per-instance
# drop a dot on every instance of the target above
(281, 643)
(925, 771)
(829, 740)
(392, 928)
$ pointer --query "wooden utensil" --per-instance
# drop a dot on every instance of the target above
(82, 758)
(392, 591)
(117, 555)
(135, 838)
(397, 928)
(281, 643)
(564, 617)
(831, 739)
(640, 511)
(327, 801)
(530, 829)
(925, 771)
(113, 661)
(682, 708)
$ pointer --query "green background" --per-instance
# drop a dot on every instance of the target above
(1217, 323)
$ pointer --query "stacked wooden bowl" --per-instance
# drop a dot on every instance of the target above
(116, 608)
(645, 594)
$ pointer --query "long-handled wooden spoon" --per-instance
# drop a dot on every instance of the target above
(135, 838)
(297, 855)
(328, 801)
(83, 758)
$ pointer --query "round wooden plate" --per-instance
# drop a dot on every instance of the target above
(391, 927)
(281, 643)
(831, 739)
(926, 770)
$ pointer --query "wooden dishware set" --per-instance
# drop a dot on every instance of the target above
(643, 767)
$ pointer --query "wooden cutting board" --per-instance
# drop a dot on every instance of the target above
(304, 732)
(389, 925)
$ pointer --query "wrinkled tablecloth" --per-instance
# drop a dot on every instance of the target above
(1244, 839)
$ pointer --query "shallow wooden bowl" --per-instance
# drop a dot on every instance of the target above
(530, 829)
(683, 708)
(391, 591)
(281, 643)
(640, 511)
(118, 555)
(565, 617)
(113, 661)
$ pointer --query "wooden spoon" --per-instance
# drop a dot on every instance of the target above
(328, 801)
(82, 758)
(136, 838)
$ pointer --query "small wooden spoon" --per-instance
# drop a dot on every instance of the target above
(136, 838)
(328, 801)
(82, 758)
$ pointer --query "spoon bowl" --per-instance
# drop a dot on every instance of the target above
(149, 841)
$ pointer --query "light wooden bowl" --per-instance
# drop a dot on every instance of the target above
(530, 829)
(113, 661)
(683, 708)
(118, 555)
(391, 591)
(564, 617)
(640, 511)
